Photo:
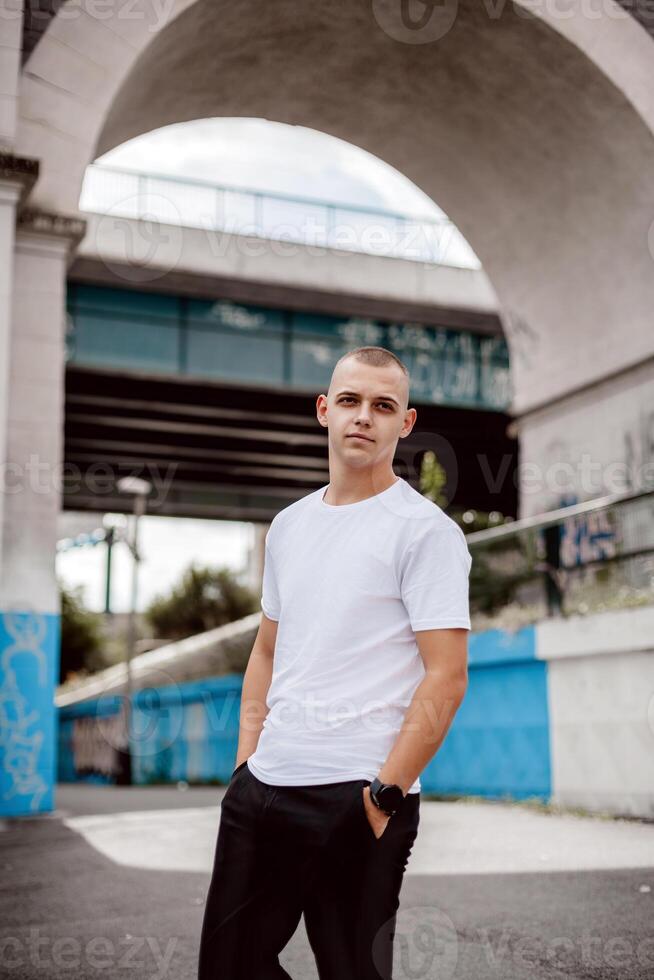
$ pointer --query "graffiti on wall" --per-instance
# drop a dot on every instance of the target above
(587, 538)
(96, 742)
(21, 724)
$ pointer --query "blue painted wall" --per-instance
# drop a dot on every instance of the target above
(498, 744)
(187, 731)
(181, 731)
(29, 667)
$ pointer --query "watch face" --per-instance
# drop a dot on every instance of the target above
(390, 797)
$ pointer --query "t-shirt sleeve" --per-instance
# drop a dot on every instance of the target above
(270, 601)
(434, 580)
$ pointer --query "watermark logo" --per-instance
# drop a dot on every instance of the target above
(425, 944)
(142, 250)
(415, 21)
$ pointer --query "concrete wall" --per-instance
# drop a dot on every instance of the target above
(598, 441)
(600, 673)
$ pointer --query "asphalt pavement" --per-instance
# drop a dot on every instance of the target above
(113, 884)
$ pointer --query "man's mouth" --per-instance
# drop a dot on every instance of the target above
(357, 435)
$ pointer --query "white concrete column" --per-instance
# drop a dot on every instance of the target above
(29, 600)
(9, 196)
(17, 176)
(11, 43)
(35, 416)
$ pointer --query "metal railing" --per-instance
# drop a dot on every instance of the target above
(584, 558)
(276, 217)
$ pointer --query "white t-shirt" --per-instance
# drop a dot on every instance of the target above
(348, 586)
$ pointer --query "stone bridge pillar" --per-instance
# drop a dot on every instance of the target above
(34, 254)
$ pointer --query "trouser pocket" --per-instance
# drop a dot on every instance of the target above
(238, 768)
(363, 815)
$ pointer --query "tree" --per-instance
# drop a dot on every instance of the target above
(81, 634)
(203, 599)
(433, 478)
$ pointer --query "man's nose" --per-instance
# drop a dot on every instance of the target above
(363, 415)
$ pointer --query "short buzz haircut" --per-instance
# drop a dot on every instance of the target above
(376, 356)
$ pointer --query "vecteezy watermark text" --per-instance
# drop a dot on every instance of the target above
(41, 477)
(427, 947)
(99, 953)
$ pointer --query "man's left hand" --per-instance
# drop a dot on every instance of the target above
(376, 817)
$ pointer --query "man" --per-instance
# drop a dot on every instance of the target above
(357, 670)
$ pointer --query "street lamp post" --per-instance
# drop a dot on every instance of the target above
(139, 490)
(110, 540)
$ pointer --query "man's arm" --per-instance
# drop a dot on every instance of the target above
(256, 681)
(434, 704)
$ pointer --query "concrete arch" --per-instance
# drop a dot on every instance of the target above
(612, 38)
(544, 162)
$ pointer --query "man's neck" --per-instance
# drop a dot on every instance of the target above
(349, 489)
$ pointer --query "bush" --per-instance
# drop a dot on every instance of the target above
(203, 599)
(82, 638)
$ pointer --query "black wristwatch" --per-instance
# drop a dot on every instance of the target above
(387, 796)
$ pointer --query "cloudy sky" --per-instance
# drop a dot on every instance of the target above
(259, 155)
(275, 157)
(269, 157)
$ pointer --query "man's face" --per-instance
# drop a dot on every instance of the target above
(366, 412)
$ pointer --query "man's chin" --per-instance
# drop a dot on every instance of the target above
(358, 460)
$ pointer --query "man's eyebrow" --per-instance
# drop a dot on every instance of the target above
(386, 398)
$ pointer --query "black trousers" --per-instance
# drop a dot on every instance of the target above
(284, 851)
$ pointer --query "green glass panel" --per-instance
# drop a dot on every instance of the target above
(120, 342)
(313, 359)
(124, 302)
(350, 331)
(319, 340)
(443, 364)
(222, 339)
(222, 354)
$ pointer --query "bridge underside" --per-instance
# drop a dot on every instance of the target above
(238, 452)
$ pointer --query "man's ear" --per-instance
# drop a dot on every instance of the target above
(412, 412)
(321, 407)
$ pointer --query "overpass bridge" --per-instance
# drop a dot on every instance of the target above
(205, 382)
